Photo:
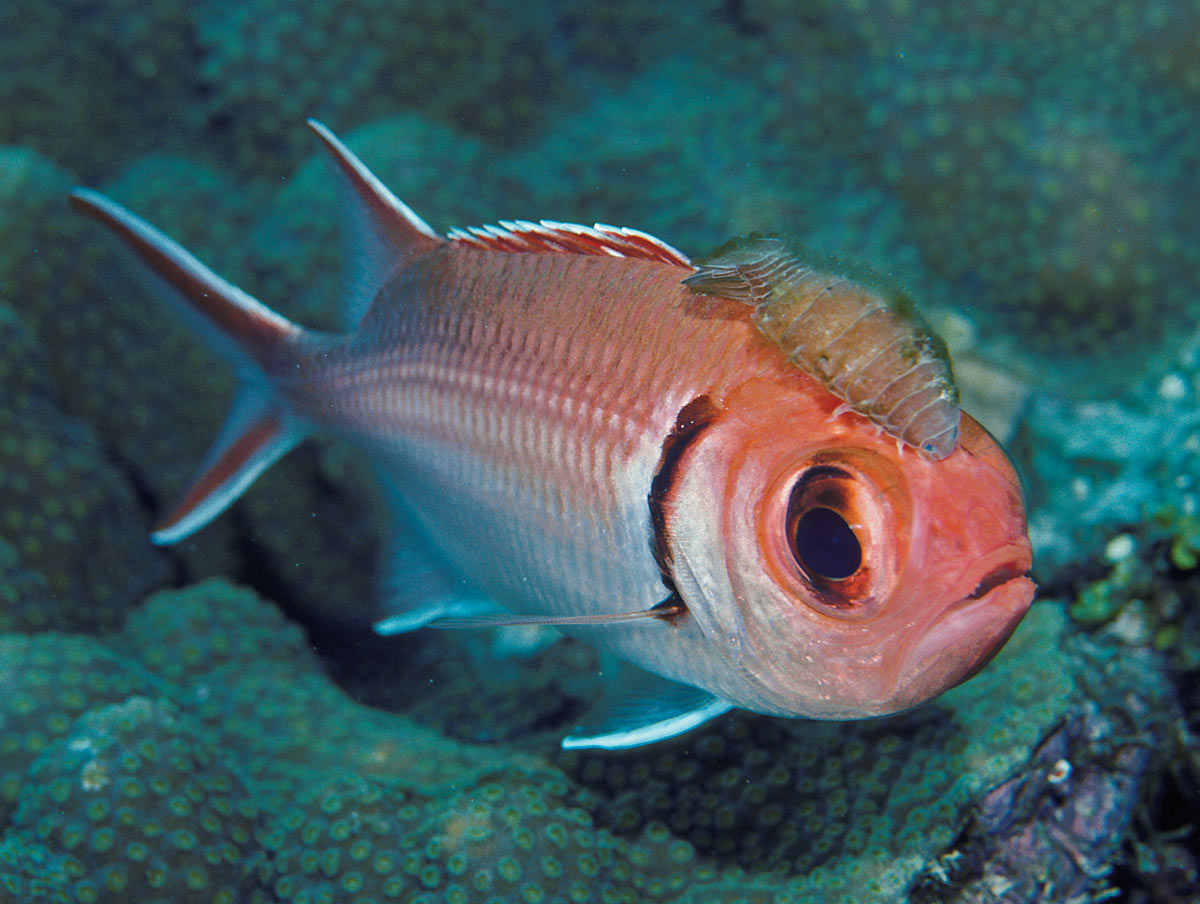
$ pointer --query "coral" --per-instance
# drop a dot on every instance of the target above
(268, 66)
(183, 635)
(251, 679)
(619, 160)
(150, 392)
(122, 79)
(66, 511)
(1095, 467)
(300, 526)
(23, 362)
(25, 600)
(1041, 179)
(351, 800)
(133, 805)
(513, 837)
(847, 808)
(71, 518)
(46, 682)
(486, 693)
(316, 797)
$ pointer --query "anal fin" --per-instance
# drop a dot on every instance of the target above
(638, 708)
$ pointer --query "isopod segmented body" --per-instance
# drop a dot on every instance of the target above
(872, 350)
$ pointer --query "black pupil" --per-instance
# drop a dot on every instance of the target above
(826, 546)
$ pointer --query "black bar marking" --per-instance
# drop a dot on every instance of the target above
(692, 420)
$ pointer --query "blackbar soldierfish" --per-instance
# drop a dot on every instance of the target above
(755, 486)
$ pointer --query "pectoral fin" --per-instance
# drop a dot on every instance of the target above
(640, 708)
(667, 609)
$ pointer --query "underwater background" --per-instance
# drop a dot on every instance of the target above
(214, 722)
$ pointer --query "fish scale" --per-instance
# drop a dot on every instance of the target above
(470, 410)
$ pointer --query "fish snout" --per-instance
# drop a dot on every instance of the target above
(965, 635)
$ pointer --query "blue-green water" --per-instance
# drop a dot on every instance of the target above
(1026, 170)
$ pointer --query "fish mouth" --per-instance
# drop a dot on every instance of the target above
(995, 578)
(965, 636)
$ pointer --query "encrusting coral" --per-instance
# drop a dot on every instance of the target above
(268, 65)
(1040, 176)
(135, 805)
(47, 681)
(240, 772)
(64, 505)
(150, 393)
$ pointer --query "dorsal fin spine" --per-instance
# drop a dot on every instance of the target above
(553, 237)
(381, 232)
(385, 206)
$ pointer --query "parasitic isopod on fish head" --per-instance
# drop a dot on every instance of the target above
(868, 345)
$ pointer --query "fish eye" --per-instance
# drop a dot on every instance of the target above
(824, 545)
(836, 528)
(825, 548)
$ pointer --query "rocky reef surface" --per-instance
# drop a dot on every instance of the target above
(1028, 170)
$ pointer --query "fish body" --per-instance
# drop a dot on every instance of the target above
(574, 434)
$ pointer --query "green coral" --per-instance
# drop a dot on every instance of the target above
(309, 796)
(154, 396)
(151, 393)
(66, 512)
(514, 837)
(26, 602)
(268, 65)
(134, 805)
(1148, 595)
(64, 508)
(72, 71)
(337, 798)
(46, 682)
(1041, 176)
(853, 808)
(183, 635)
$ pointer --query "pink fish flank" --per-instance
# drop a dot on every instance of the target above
(577, 438)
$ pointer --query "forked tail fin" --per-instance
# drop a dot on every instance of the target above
(259, 430)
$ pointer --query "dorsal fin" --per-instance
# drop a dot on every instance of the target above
(870, 347)
(569, 238)
(382, 232)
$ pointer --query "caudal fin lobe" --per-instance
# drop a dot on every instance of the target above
(259, 430)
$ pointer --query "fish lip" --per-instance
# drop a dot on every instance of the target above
(968, 632)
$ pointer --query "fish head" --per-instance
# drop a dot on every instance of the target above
(848, 575)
